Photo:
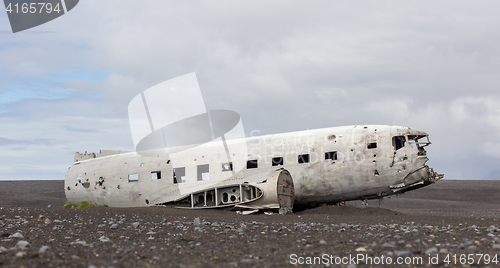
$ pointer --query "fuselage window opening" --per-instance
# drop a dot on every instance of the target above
(156, 175)
(133, 177)
(372, 145)
(179, 175)
(227, 166)
(277, 161)
(398, 142)
(303, 158)
(203, 172)
(331, 156)
(252, 164)
(418, 142)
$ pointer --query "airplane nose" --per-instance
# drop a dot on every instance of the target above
(412, 131)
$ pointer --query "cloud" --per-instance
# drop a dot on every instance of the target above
(81, 130)
(485, 109)
(4, 142)
(491, 149)
(283, 65)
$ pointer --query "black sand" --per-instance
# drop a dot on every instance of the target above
(453, 218)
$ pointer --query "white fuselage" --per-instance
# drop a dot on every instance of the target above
(327, 165)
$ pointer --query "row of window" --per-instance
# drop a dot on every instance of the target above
(179, 174)
(203, 174)
(303, 158)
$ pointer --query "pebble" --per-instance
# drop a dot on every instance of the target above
(135, 224)
(104, 239)
(83, 243)
(491, 229)
(2, 250)
(247, 261)
(44, 249)
(197, 221)
(431, 251)
(21, 254)
(243, 228)
(17, 235)
(114, 226)
(388, 245)
(402, 253)
(22, 244)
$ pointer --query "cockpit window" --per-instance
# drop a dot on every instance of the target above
(398, 142)
(419, 139)
(418, 142)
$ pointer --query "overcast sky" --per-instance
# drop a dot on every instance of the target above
(283, 65)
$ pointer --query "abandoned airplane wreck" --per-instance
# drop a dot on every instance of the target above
(327, 165)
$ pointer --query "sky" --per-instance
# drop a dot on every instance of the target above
(282, 65)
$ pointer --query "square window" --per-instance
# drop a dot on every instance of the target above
(303, 158)
(203, 173)
(179, 175)
(372, 145)
(277, 161)
(398, 142)
(133, 177)
(227, 166)
(156, 175)
(252, 164)
(331, 156)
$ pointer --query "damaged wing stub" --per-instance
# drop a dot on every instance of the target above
(270, 191)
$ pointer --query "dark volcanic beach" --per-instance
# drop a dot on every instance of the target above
(450, 223)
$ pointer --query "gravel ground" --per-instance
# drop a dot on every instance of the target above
(424, 226)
